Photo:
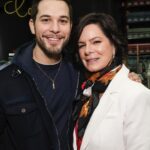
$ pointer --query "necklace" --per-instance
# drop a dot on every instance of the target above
(48, 76)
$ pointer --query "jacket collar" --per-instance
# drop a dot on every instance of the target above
(24, 54)
(23, 57)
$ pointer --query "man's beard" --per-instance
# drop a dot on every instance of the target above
(54, 52)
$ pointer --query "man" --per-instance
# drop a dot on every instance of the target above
(38, 88)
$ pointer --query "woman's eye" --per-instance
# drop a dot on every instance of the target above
(96, 42)
(80, 46)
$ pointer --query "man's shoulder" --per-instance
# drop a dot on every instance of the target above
(5, 65)
(6, 69)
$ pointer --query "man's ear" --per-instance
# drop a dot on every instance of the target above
(31, 25)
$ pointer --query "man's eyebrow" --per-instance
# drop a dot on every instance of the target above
(65, 17)
(44, 16)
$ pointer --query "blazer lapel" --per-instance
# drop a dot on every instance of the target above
(106, 101)
(98, 116)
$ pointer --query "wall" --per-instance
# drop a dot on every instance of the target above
(112, 7)
(14, 30)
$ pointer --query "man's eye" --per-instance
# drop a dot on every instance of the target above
(45, 20)
(64, 21)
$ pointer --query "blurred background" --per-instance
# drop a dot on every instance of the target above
(132, 17)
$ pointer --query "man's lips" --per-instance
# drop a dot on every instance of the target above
(53, 39)
(53, 36)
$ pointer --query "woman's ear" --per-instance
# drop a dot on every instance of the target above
(31, 25)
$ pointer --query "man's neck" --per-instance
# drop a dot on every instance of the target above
(41, 58)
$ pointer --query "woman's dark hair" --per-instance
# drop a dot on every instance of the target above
(109, 27)
(35, 4)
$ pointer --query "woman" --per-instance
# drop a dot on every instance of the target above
(114, 112)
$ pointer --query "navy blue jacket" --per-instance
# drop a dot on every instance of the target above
(25, 122)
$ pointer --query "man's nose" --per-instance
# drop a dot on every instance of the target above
(55, 27)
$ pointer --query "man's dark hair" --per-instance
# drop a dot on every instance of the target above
(35, 4)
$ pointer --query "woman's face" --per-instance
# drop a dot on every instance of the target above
(95, 49)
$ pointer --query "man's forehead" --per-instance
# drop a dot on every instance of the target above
(53, 8)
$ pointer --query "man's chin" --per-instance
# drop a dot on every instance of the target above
(55, 52)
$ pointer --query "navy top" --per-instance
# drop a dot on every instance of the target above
(57, 99)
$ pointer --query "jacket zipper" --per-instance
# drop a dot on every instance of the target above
(76, 91)
(48, 113)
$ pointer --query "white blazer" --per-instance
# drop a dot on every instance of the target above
(121, 120)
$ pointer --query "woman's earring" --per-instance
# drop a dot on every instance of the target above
(113, 56)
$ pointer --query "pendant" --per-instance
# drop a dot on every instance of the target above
(53, 85)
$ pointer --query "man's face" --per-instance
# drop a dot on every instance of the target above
(52, 26)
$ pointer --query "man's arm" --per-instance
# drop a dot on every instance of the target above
(2, 121)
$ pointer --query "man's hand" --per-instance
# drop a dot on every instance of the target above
(135, 77)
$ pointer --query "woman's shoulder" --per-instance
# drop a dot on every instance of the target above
(128, 86)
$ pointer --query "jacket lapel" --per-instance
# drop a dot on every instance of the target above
(106, 101)
(97, 117)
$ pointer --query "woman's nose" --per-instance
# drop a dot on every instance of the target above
(88, 49)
